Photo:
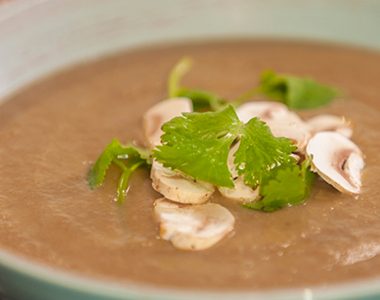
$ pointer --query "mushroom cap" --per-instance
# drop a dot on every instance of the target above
(281, 121)
(193, 227)
(264, 110)
(296, 131)
(177, 188)
(337, 160)
(161, 113)
(330, 123)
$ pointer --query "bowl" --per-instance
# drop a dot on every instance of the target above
(39, 37)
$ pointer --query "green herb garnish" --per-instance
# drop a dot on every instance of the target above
(202, 100)
(288, 185)
(260, 152)
(198, 144)
(176, 74)
(296, 92)
(127, 158)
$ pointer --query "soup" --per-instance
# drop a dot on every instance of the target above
(51, 132)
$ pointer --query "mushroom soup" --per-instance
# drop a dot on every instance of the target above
(51, 132)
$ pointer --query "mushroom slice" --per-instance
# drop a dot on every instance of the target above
(337, 160)
(240, 192)
(330, 123)
(265, 110)
(192, 227)
(161, 113)
(177, 188)
(281, 121)
(295, 131)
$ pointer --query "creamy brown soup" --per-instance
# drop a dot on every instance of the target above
(51, 131)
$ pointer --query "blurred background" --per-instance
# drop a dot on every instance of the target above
(38, 36)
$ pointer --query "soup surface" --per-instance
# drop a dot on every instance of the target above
(51, 132)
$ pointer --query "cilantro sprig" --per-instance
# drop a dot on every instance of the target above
(260, 152)
(202, 100)
(289, 185)
(127, 158)
(198, 144)
(296, 92)
(178, 71)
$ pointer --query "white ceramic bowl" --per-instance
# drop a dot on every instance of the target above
(40, 36)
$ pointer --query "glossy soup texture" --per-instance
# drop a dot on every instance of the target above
(52, 131)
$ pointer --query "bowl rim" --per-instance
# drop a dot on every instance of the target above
(117, 290)
(43, 273)
(112, 289)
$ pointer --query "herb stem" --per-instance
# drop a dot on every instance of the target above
(176, 74)
(122, 187)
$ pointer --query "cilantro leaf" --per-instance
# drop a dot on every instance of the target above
(98, 171)
(260, 152)
(198, 145)
(296, 92)
(127, 158)
(202, 100)
(289, 185)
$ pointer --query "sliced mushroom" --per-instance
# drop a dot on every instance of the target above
(295, 131)
(161, 113)
(337, 160)
(281, 121)
(193, 227)
(330, 123)
(177, 188)
(240, 192)
(265, 110)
